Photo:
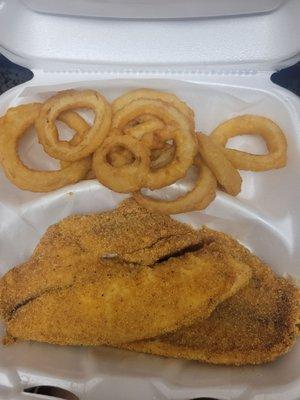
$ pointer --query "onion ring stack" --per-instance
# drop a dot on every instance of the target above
(17, 121)
(93, 137)
(126, 178)
(148, 94)
(145, 139)
(175, 126)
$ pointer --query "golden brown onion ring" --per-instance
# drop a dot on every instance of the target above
(253, 125)
(153, 140)
(150, 94)
(120, 157)
(227, 176)
(76, 122)
(146, 127)
(94, 136)
(186, 144)
(162, 157)
(127, 178)
(161, 153)
(80, 126)
(198, 198)
(140, 120)
(17, 121)
(177, 166)
(139, 130)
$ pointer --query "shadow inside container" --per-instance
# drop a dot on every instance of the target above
(52, 391)
(60, 393)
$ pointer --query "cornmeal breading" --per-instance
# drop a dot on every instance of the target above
(111, 302)
(256, 325)
(130, 232)
(66, 296)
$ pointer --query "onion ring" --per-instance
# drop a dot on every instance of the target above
(227, 176)
(171, 169)
(153, 140)
(253, 125)
(141, 129)
(149, 94)
(120, 157)
(76, 122)
(140, 120)
(203, 193)
(127, 178)
(147, 127)
(94, 136)
(186, 146)
(162, 157)
(17, 121)
(79, 124)
(159, 157)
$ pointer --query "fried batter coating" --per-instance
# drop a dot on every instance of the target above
(130, 232)
(256, 325)
(112, 302)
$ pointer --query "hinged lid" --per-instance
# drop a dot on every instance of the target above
(153, 8)
(261, 41)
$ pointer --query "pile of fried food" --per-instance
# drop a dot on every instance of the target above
(138, 280)
(144, 139)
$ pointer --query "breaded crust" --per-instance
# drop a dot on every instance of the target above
(256, 325)
(130, 233)
(113, 303)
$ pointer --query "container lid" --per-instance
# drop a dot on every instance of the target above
(153, 8)
(259, 41)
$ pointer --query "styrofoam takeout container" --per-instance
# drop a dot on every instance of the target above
(221, 66)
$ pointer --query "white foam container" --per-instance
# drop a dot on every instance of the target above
(221, 66)
(153, 8)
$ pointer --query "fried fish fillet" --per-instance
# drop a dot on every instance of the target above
(256, 325)
(112, 302)
(129, 232)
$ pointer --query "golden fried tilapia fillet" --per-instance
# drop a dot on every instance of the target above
(113, 302)
(65, 298)
(256, 325)
(129, 233)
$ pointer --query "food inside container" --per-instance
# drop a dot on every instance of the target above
(103, 275)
